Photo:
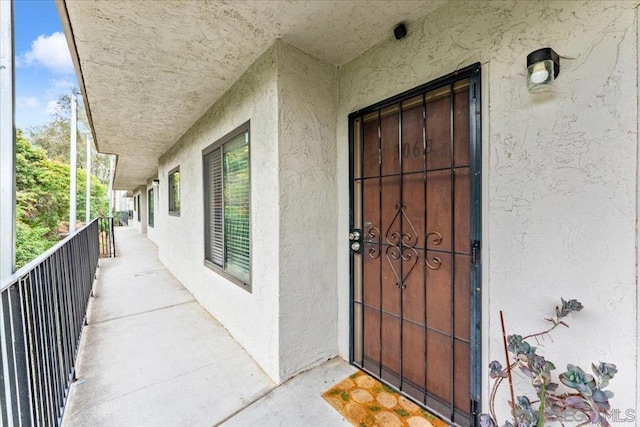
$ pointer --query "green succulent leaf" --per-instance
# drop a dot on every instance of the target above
(487, 421)
(604, 372)
(496, 370)
(568, 307)
(577, 379)
(599, 396)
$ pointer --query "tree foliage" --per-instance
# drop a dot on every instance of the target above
(42, 199)
(54, 137)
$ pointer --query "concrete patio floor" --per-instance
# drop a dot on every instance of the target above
(152, 356)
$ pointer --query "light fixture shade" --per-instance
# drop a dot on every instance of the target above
(543, 66)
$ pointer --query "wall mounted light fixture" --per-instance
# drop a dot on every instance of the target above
(156, 182)
(543, 67)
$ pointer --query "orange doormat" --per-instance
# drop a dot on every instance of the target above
(367, 402)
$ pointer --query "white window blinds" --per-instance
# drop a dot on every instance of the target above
(227, 215)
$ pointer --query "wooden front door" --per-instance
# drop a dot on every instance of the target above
(415, 241)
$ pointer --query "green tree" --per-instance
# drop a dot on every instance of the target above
(54, 137)
(42, 199)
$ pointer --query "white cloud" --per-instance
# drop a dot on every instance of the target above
(51, 52)
(58, 87)
(51, 107)
(28, 102)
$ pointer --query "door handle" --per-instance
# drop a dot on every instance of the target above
(356, 240)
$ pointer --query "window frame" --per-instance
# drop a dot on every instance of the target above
(151, 208)
(242, 129)
(138, 210)
(171, 193)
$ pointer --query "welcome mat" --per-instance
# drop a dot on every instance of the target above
(366, 402)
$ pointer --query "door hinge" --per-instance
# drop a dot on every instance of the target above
(475, 252)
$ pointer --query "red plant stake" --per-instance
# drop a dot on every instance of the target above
(506, 355)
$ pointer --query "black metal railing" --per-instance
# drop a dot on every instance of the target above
(106, 237)
(42, 312)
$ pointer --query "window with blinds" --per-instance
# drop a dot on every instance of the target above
(151, 210)
(227, 194)
(174, 191)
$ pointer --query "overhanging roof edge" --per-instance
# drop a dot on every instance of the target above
(68, 33)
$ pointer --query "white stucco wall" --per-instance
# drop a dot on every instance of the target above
(153, 232)
(252, 318)
(559, 169)
(559, 183)
(141, 225)
(134, 221)
(289, 321)
(308, 209)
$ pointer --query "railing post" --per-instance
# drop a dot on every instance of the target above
(113, 239)
(6, 403)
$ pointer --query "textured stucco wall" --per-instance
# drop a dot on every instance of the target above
(289, 321)
(252, 318)
(153, 232)
(559, 169)
(308, 209)
(141, 225)
(134, 221)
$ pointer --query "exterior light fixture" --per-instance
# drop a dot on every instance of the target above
(156, 182)
(543, 67)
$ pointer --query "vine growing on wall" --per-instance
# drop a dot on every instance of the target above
(578, 396)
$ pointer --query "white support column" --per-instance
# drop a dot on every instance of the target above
(73, 163)
(7, 187)
(7, 142)
(87, 204)
(110, 192)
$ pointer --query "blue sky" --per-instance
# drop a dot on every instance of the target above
(44, 70)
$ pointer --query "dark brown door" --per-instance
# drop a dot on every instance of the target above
(414, 257)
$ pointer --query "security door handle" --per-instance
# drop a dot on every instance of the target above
(356, 240)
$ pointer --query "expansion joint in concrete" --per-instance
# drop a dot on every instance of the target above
(142, 312)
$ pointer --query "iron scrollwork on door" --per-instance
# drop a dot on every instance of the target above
(371, 240)
(436, 262)
(401, 246)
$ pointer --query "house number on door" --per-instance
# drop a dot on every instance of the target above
(413, 150)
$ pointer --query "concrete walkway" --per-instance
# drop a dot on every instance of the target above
(152, 356)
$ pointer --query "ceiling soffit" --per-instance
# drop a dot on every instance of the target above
(150, 69)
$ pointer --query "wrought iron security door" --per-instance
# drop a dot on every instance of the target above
(415, 241)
